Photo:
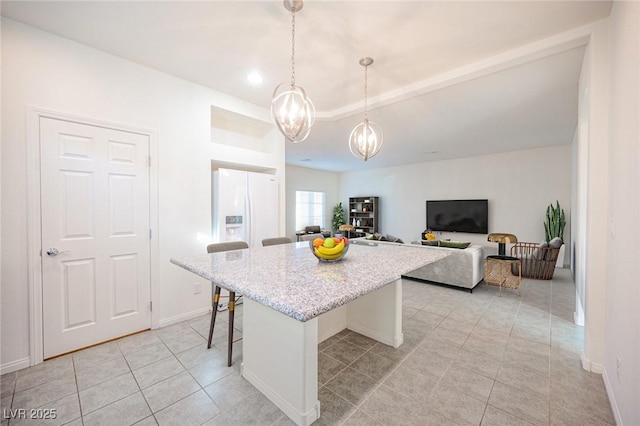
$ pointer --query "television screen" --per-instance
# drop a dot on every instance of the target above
(458, 216)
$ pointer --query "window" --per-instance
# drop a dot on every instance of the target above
(309, 209)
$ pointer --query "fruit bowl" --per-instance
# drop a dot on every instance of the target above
(329, 254)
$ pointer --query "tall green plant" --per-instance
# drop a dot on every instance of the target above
(338, 217)
(554, 222)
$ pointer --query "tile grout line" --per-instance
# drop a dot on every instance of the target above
(381, 382)
(75, 378)
(530, 298)
(201, 388)
(138, 384)
(378, 385)
(501, 363)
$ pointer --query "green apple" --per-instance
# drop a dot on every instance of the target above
(329, 243)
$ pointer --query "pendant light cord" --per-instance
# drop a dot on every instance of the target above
(291, 109)
(365, 91)
(293, 43)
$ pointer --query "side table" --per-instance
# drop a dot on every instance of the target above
(498, 271)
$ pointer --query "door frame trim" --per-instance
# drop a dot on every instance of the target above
(34, 216)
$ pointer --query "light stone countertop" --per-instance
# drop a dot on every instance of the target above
(291, 280)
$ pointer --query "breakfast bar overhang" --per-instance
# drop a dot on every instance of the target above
(288, 292)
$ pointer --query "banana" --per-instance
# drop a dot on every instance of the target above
(331, 251)
(328, 256)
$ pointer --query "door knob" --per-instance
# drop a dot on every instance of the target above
(52, 251)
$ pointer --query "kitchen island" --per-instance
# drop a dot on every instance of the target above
(289, 295)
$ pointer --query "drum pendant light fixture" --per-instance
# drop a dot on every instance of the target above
(291, 109)
(366, 138)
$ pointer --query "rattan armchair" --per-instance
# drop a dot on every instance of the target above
(537, 262)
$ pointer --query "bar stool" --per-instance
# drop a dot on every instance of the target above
(275, 241)
(215, 289)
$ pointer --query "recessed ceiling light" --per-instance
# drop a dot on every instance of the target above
(432, 152)
(254, 78)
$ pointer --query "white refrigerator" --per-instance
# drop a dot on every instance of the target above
(244, 206)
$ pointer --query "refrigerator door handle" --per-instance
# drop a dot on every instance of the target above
(249, 223)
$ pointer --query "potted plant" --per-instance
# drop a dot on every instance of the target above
(554, 227)
(338, 217)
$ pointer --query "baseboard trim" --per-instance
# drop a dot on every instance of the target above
(612, 399)
(298, 417)
(331, 332)
(590, 366)
(16, 365)
(331, 323)
(394, 341)
(183, 317)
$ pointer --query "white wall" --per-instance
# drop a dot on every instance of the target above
(580, 150)
(519, 186)
(42, 70)
(622, 323)
(2, 291)
(595, 203)
(303, 179)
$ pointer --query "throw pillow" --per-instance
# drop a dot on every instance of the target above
(537, 253)
(369, 236)
(555, 243)
(454, 244)
(394, 239)
(430, 242)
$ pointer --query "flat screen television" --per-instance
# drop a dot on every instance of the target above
(470, 216)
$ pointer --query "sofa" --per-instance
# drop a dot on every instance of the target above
(463, 268)
(310, 233)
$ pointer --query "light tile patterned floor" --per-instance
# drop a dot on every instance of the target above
(468, 359)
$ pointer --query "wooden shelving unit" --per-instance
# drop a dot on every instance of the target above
(365, 212)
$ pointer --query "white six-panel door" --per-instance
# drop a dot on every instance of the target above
(95, 234)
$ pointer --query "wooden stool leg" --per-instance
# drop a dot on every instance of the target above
(216, 299)
(232, 309)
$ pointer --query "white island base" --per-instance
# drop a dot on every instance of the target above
(280, 354)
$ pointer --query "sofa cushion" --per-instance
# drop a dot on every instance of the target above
(454, 244)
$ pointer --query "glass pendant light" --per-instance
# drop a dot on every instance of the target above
(291, 109)
(366, 138)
